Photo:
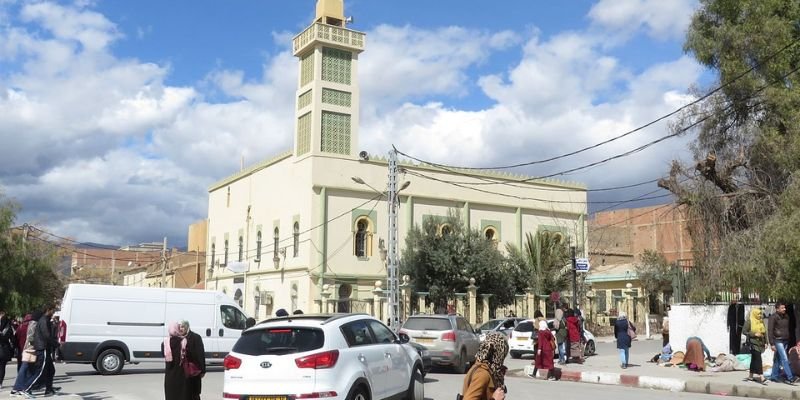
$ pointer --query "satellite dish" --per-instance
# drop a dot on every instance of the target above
(363, 155)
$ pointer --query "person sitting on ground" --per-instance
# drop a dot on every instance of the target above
(695, 351)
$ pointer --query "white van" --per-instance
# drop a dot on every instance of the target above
(107, 326)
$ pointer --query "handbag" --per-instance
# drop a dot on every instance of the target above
(631, 331)
(190, 368)
(29, 356)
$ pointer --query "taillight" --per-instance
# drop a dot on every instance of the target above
(231, 362)
(231, 396)
(315, 395)
(449, 336)
(62, 332)
(318, 361)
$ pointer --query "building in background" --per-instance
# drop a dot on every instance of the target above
(617, 240)
(306, 229)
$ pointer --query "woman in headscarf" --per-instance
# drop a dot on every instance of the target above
(181, 346)
(546, 350)
(623, 338)
(574, 335)
(755, 330)
(696, 354)
(486, 379)
(560, 326)
(6, 344)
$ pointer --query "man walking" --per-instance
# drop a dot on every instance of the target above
(46, 344)
(779, 336)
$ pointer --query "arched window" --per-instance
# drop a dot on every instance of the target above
(258, 246)
(362, 239)
(275, 239)
(490, 233)
(237, 297)
(241, 248)
(213, 254)
(226, 253)
(558, 237)
(296, 239)
(445, 229)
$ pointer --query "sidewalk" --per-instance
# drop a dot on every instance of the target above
(605, 370)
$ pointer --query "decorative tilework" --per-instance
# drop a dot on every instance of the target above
(304, 134)
(304, 100)
(307, 69)
(328, 33)
(336, 65)
(336, 97)
(335, 133)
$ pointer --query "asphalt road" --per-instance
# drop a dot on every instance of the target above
(145, 382)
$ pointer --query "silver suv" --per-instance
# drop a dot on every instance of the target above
(450, 339)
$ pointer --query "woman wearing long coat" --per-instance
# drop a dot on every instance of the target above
(545, 351)
(6, 344)
(183, 343)
(623, 338)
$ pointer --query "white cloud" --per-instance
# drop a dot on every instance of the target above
(126, 151)
(660, 19)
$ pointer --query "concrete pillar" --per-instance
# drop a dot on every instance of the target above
(460, 303)
(530, 298)
(423, 309)
(485, 298)
(519, 305)
(472, 293)
(405, 297)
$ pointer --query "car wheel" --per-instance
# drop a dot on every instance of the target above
(515, 355)
(110, 362)
(416, 388)
(590, 348)
(358, 393)
(461, 363)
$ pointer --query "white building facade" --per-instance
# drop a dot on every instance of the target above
(297, 230)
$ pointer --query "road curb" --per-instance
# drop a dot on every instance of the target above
(772, 391)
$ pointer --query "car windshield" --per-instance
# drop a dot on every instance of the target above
(526, 326)
(279, 341)
(428, 324)
(490, 325)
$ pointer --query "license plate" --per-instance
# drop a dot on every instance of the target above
(423, 340)
(522, 339)
(266, 398)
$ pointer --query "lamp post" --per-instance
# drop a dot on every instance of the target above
(574, 279)
(391, 247)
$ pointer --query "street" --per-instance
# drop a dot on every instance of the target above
(145, 381)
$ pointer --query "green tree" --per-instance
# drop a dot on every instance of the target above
(739, 191)
(545, 260)
(654, 272)
(442, 255)
(27, 276)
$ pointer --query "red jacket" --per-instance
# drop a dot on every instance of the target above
(574, 329)
(22, 332)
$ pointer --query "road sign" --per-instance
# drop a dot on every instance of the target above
(582, 265)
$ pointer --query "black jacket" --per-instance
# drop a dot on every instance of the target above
(778, 328)
(43, 338)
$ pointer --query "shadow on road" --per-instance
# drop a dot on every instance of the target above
(94, 395)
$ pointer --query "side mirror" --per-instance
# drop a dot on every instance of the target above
(404, 338)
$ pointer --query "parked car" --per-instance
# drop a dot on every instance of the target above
(524, 336)
(427, 363)
(335, 356)
(450, 339)
(502, 325)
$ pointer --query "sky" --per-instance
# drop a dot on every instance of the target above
(116, 116)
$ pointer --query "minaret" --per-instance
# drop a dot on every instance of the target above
(327, 94)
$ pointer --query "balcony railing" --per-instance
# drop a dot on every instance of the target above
(328, 34)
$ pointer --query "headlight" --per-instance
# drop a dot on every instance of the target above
(425, 353)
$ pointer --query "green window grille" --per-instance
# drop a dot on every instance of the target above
(304, 100)
(336, 97)
(336, 65)
(304, 134)
(306, 69)
(335, 133)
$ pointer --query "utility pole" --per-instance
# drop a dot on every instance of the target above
(164, 263)
(574, 279)
(394, 292)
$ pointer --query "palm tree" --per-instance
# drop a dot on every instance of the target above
(546, 261)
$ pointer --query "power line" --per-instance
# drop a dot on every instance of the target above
(659, 119)
(414, 173)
